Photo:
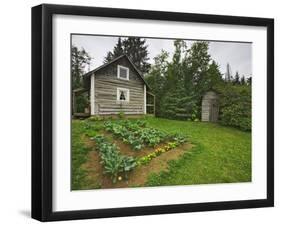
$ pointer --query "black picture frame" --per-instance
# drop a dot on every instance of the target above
(42, 111)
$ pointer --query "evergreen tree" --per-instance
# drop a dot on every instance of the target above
(117, 51)
(79, 60)
(109, 57)
(177, 101)
(177, 105)
(228, 74)
(236, 80)
(249, 81)
(175, 73)
(243, 81)
(156, 78)
(214, 77)
(197, 63)
(135, 49)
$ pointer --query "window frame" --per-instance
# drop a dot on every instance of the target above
(118, 72)
(118, 95)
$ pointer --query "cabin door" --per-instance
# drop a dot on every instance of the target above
(214, 110)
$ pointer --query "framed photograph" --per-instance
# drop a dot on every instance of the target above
(145, 112)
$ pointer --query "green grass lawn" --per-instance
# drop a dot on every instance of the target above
(79, 155)
(220, 154)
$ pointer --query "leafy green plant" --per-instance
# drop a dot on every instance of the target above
(128, 164)
(143, 160)
(141, 123)
(95, 118)
(135, 133)
(114, 163)
(179, 139)
(236, 106)
(121, 115)
(91, 128)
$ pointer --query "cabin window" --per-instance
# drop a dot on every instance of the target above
(122, 72)
(123, 95)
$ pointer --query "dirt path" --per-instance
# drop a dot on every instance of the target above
(139, 175)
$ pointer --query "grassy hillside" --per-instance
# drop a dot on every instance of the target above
(219, 154)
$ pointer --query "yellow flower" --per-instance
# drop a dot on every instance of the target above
(119, 178)
(158, 150)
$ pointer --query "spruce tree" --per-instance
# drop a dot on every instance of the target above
(177, 102)
(197, 63)
(249, 81)
(117, 51)
(135, 48)
(243, 80)
(236, 80)
(214, 77)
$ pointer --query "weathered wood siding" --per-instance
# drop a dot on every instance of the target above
(210, 107)
(105, 90)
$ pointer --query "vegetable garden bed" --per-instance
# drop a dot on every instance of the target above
(142, 145)
(220, 155)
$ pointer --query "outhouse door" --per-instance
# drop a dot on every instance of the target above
(214, 110)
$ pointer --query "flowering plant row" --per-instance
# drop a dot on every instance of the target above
(146, 159)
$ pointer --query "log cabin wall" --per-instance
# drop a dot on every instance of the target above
(105, 90)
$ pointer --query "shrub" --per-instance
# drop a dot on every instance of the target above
(121, 115)
(82, 102)
(177, 105)
(236, 107)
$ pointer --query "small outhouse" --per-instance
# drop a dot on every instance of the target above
(210, 107)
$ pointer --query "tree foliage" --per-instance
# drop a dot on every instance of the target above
(79, 60)
(135, 48)
(156, 78)
(117, 51)
(235, 104)
(180, 82)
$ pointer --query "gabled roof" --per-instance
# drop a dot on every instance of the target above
(88, 74)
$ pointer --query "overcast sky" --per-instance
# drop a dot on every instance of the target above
(238, 55)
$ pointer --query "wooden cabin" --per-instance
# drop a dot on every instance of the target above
(116, 87)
